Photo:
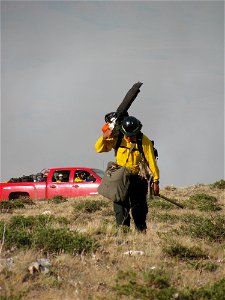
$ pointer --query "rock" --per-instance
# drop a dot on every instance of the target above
(33, 267)
(42, 265)
(46, 212)
(134, 252)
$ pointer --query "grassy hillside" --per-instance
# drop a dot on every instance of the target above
(85, 256)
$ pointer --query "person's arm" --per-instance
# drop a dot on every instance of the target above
(105, 143)
(149, 154)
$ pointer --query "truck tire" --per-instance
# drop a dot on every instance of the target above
(19, 195)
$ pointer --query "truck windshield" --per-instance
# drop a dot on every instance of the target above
(99, 172)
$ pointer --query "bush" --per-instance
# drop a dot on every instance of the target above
(58, 199)
(156, 278)
(206, 266)
(203, 202)
(61, 239)
(219, 184)
(154, 284)
(30, 222)
(151, 284)
(212, 229)
(215, 291)
(27, 232)
(10, 205)
(163, 217)
(90, 206)
(158, 203)
(182, 252)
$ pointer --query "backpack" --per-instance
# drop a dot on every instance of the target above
(139, 144)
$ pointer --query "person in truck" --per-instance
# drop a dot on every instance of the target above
(60, 178)
(80, 177)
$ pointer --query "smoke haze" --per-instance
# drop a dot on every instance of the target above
(66, 64)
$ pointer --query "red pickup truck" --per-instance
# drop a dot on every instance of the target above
(67, 182)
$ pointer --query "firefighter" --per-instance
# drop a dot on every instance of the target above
(60, 178)
(80, 177)
(136, 200)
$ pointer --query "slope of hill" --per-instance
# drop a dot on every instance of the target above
(71, 248)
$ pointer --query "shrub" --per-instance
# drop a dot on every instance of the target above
(90, 206)
(158, 203)
(19, 238)
(10, 205)
(156, 278)
(206, 266)
(212, 229)
(57, 199)
(215, 291)
(219, 184)
(156, 286)
(163, 217)
(203, 202)
(30, 222)
(183, 252)
(61, 239)
(151, 284)
(27, 232)
(24, 200)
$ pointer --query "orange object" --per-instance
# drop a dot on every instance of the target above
(105, 127)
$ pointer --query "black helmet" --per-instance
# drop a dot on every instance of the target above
(130, 126)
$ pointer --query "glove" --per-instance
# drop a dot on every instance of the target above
(156, 188)
(106, 130)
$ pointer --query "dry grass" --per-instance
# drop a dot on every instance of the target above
(98, 275)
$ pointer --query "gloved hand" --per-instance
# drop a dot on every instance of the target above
(107, 132)
(156, 188)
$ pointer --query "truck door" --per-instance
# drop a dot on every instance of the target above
(58, 184)
(84, 183)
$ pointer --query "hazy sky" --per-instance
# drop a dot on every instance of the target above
(65, 64)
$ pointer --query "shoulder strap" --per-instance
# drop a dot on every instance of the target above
(139, 143)
(118, 142)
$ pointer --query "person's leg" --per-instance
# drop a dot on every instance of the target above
(139, 207)
(121, 213)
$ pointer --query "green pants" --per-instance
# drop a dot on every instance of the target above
(135, 204)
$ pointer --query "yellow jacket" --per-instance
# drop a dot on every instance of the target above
(105, 145)
(78, 179)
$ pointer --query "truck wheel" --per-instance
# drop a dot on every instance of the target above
(21, 196)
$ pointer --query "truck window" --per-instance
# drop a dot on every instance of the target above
(83, 176)
(61, 176)
(100, 173)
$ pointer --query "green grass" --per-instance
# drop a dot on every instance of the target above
(212, 229)
(204, 266)
(10, 205)
(184, 253)
(150, 284)
(202, 202)
(157, 216)
(58, 199)
(38, 232)
(155, 284)
(62, 239)
(159, 203)
(215, 291)
(90, 206)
